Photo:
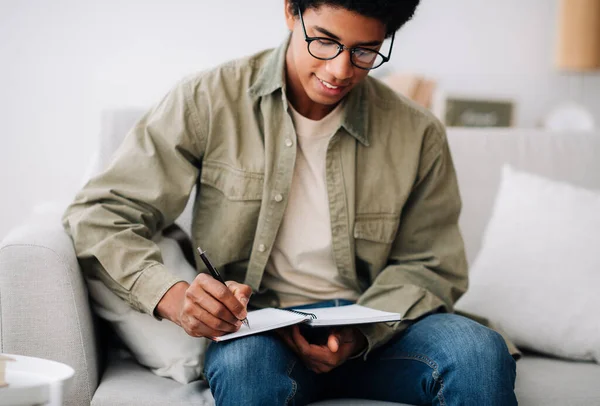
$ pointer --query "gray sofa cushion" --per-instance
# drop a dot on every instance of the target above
(553, 382)
(127, 383)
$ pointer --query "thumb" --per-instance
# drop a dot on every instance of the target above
(333, 341)
(243, 299)
(241, 292)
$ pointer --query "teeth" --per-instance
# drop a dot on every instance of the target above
(328, 85)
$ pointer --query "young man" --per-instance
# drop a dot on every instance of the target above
(317, 186)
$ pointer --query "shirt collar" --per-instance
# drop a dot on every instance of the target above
(272, 73)
(356, 113)
(272, 77)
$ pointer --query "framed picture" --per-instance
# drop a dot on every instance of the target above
(472, 112)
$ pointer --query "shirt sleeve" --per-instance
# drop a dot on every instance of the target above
(427, 268)
(113, 219)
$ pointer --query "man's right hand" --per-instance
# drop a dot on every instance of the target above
(206, 308)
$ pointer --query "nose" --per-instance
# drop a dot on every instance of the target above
(340, 67)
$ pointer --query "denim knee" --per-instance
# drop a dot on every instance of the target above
(469, 344)
(252, 370)
(237, 357)
(475, 358)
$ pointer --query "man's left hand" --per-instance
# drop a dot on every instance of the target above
(341, 345)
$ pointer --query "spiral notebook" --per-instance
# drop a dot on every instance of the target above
(270, 318)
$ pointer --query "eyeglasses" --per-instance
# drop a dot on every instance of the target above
(327, 48)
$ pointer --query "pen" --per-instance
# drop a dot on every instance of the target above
(215, 274)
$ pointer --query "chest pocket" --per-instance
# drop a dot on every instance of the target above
(226, 211)
(234, 184)
(373, 236)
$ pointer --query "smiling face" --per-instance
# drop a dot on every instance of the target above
(316, 86)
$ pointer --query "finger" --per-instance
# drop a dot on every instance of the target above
(315, 352)
(217, 324)
(320, 367)
(339, 337)
(222, 294)
(314, 365)
(300, 341)
(287, 339)
(206, 302)
(240, 291)
(195, 328)
(316, 357)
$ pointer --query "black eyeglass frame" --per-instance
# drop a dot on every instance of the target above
(341, 47)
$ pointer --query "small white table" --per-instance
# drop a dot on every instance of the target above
(34, 381)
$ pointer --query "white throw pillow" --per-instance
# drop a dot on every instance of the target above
(162, 346)
(537, 275)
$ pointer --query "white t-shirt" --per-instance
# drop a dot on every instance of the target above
(301, 268)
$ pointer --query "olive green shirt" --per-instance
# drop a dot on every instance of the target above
(393, 196)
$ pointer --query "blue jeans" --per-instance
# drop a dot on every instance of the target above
(442, 359)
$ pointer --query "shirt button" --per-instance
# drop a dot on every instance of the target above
(289, 143)
(278, 198)
(262, 248)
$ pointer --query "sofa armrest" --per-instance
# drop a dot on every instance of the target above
(44, 308)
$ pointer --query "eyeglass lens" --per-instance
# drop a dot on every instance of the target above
(328, 49)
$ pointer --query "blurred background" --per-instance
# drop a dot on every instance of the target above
(63, 62)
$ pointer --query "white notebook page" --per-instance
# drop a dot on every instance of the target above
(350, 314)
(265, 320)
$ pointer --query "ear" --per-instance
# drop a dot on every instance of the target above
(290, 18)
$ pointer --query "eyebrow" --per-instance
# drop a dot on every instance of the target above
(335, 37)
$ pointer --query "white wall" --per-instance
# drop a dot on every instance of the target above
(62, 62)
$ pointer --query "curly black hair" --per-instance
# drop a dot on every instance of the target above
(393, 13)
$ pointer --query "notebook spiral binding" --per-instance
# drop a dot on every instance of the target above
(311, 315)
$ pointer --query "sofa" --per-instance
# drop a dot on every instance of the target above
(45, 310)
